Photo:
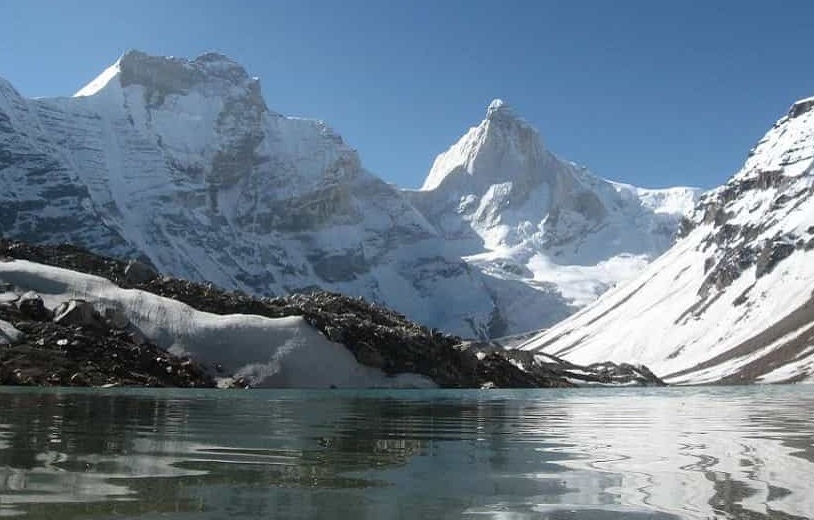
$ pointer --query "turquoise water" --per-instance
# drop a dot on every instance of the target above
(730, 452)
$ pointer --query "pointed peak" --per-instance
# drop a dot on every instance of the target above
(503, 147)
(499, 109)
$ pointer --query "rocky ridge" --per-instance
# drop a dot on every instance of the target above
(377, 337)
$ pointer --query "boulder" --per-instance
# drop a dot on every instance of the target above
(9, 335)
(138, 272)
(32, 307)
(78, 312)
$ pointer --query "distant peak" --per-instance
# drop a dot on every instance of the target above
(499, 109)
(209, 64)
(502, 148)
(206, 57)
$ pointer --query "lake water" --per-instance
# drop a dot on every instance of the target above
(745, 452)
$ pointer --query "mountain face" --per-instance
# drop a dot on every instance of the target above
(733, 300)
(182, 164)
(516, 211)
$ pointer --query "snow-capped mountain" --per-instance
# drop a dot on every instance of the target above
(516, 211)
(181, 163)
(733, 300)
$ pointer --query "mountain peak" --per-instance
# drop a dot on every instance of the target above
(212, 60)
(499, 109)
(168, 73)
(141, 68)
(503, 147)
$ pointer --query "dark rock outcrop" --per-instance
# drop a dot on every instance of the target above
(545, 367)
(80, 348)
(772, 253)
(138, 272)
(31, 306)
(80, 313)
(735, 246)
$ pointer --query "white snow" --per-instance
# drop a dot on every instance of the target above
(99, 82)
(583, 284)
(679, 200)
(284, 352)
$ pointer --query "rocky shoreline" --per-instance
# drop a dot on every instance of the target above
(76, 346)
(92, 349)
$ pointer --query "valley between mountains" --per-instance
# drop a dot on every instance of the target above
(181, 166)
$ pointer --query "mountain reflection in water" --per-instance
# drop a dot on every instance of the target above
(745, 452)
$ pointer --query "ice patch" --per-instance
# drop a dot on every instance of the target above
(282, 352)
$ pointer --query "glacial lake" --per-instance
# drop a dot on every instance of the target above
(663, 453)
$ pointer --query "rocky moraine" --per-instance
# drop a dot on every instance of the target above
(79, 343)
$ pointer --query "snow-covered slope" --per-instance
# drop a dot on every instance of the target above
(181, 163)
(518, 212)
(733, 300)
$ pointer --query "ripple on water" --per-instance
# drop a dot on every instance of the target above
(560, 454)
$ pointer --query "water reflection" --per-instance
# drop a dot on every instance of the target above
(661, 453)
(732, 453)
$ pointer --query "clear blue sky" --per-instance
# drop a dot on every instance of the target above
(648, 92)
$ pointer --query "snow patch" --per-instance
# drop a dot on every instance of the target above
(100, 82)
